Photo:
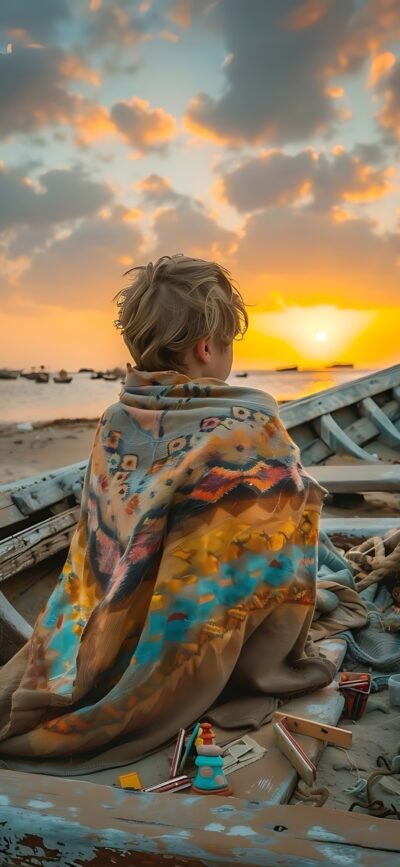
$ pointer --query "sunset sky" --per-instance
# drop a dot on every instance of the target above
(264, 134)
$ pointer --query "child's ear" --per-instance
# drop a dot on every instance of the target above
(203, 350)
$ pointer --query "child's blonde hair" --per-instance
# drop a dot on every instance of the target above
(170, 305)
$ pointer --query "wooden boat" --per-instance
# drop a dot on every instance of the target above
(5, 373)
(98, 374)
(48, 819)
(359, 420)
(29, 374)
(62, 378)
(293, 369)
(42, 377)
(339, 365)
(111, 376)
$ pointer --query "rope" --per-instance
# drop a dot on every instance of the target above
(377, 559)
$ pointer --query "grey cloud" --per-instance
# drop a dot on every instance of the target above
(279, 178)
(389, 115)
(38, 17)
(372, 153)
(144, 127)
(84, 269)
(283, 56)
(65, 195)
(32, 90)
(187, 228)
(157, 190)
(264, 181)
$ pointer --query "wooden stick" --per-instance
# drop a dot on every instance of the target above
(329, 734)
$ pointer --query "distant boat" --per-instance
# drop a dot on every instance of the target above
(287, 369)
(62, 377)
(338, 365)
(109, 376)
(42, 376)
(97, 374)
(242, 374)
(8, 374)
(31, 374)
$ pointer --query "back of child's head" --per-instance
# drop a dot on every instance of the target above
(172, 304)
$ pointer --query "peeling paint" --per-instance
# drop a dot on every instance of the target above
(346, 856)
(172, 831)
(318, 832)
(214, 826)
(40, 805)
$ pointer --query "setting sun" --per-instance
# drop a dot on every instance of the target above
(321, 336)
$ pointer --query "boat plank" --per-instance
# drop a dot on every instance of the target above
(361, 431)
(355, 478)
(388, 431)
(53, 820)
(306, 409)
(23, 498)
(36, 543)
(339, 441)
(14, 629)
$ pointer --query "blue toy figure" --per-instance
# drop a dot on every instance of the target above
(210, 778)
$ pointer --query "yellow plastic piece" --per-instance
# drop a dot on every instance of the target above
(130, 781)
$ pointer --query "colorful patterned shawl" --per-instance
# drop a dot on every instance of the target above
(193, 564)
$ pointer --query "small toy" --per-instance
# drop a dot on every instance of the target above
(210, 778)
(130, 781)
(205, 735)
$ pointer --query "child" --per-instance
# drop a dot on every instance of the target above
(193, 562)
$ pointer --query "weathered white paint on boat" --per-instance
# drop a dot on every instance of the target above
(118, 828)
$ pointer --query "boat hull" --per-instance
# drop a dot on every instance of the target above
(50, 820)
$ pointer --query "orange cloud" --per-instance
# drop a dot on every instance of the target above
(169, 36)
(307, 14)
(369, 184)
(143, 127)
(132, 215)
(74, 67)
(154, 184)
(380, 64)
(334, 92)
(181, 13)
(93, 123)
(197, 128)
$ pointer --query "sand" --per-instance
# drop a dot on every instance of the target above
(376, 733)
(46, 447)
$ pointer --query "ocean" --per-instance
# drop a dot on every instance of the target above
(22, 400)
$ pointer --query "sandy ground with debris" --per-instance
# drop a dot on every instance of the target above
(46, 447)
(377, 733)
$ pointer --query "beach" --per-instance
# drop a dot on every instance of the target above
(46, 447)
